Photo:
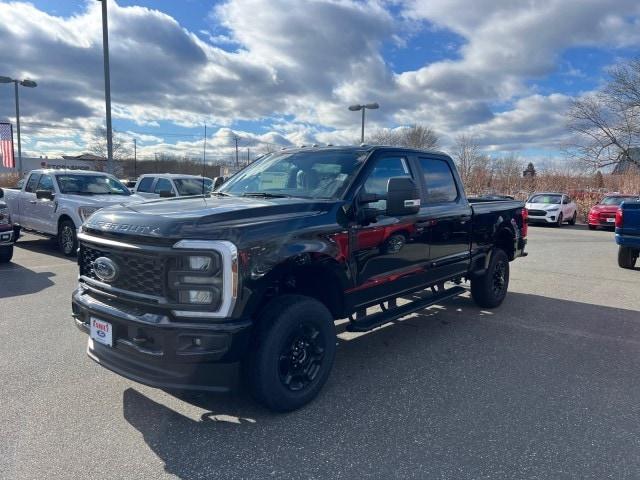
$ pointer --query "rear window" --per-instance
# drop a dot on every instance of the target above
(617, 200)
(438, 178)
(145, 185)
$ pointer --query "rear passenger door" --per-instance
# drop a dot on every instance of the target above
(446, 213)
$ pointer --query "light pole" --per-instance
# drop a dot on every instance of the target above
(355, 108)
(107, 85)
(25, 83)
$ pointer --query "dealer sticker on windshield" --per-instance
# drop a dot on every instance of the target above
(101, 331)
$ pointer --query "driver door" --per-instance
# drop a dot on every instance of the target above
(389, 253)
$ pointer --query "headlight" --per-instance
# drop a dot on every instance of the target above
(553, 209)
(199, 297)
(86, 212)
(5, 218)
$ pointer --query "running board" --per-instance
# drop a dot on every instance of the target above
(378, 319)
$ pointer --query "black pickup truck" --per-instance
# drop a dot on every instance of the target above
(196, 293)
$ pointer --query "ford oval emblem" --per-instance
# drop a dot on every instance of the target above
(105, 269)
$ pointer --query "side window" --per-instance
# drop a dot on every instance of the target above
(32, 182)
(441, 186)
(567, 200)
(384, 169)
(145, 185)
(45, 183)
(163, 184)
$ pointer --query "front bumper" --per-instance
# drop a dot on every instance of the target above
(151, 348)
(600, 221)
(551, 217)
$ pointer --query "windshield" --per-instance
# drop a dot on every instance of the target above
(91, 185)
(192, 186)
(325, 174)
(545, 198)
(617, 200)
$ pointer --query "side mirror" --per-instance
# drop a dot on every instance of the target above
(403, 197)
(44, 195)
(217, 182)
(1, 193)
(166, 194)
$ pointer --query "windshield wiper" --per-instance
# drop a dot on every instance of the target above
(221, 194)
(265, 195)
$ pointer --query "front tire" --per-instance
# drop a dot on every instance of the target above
(592, 227)
(293, 353)
(6, 254)
(559, 222)
(490, 289)
(67, 238)
(627, 257)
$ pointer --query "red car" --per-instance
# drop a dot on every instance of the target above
(603, 214)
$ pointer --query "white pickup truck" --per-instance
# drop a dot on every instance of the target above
(156, 185)
(56, 202)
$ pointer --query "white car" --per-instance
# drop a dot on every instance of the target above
(551, 208)
(56, 202)
(172, 185)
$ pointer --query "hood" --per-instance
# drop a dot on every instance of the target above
(200, 217)
(104, 199)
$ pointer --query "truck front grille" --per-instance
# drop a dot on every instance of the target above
(137, 272)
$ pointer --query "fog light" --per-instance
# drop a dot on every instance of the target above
(196, 296)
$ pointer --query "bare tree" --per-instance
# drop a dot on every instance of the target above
(414, 136)
(466, 154)
(607, 123)
(97, 144)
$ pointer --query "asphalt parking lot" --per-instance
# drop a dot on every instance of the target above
(546, 386)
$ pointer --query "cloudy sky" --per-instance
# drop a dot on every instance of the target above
(284, 71)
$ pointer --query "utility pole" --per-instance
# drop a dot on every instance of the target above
(237, 161)
(156, 156)
(135, 157)
(247, 155)
(107, 85)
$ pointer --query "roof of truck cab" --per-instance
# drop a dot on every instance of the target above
(171, 175)
(355, 148)
(67, 171)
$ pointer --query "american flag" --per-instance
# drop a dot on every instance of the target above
(6, 145)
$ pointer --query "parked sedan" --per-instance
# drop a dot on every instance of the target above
(603, 214)
(551, 208)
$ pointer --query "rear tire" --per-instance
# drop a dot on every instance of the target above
(490, 289)
(67, 238)
(6, 254)
(293, 352)
(627, 257)
(573, 219)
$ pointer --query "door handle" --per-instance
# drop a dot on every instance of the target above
(465, 218)
(427, 223)
(33, 202)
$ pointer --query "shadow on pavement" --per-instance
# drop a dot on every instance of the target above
(537, 388)
(16, 280)
(47, 246)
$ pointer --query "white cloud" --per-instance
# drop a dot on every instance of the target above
(305, 62)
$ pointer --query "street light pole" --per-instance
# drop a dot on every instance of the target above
(355, 108)
(15, 83)
(25, 83)
(107, 85)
